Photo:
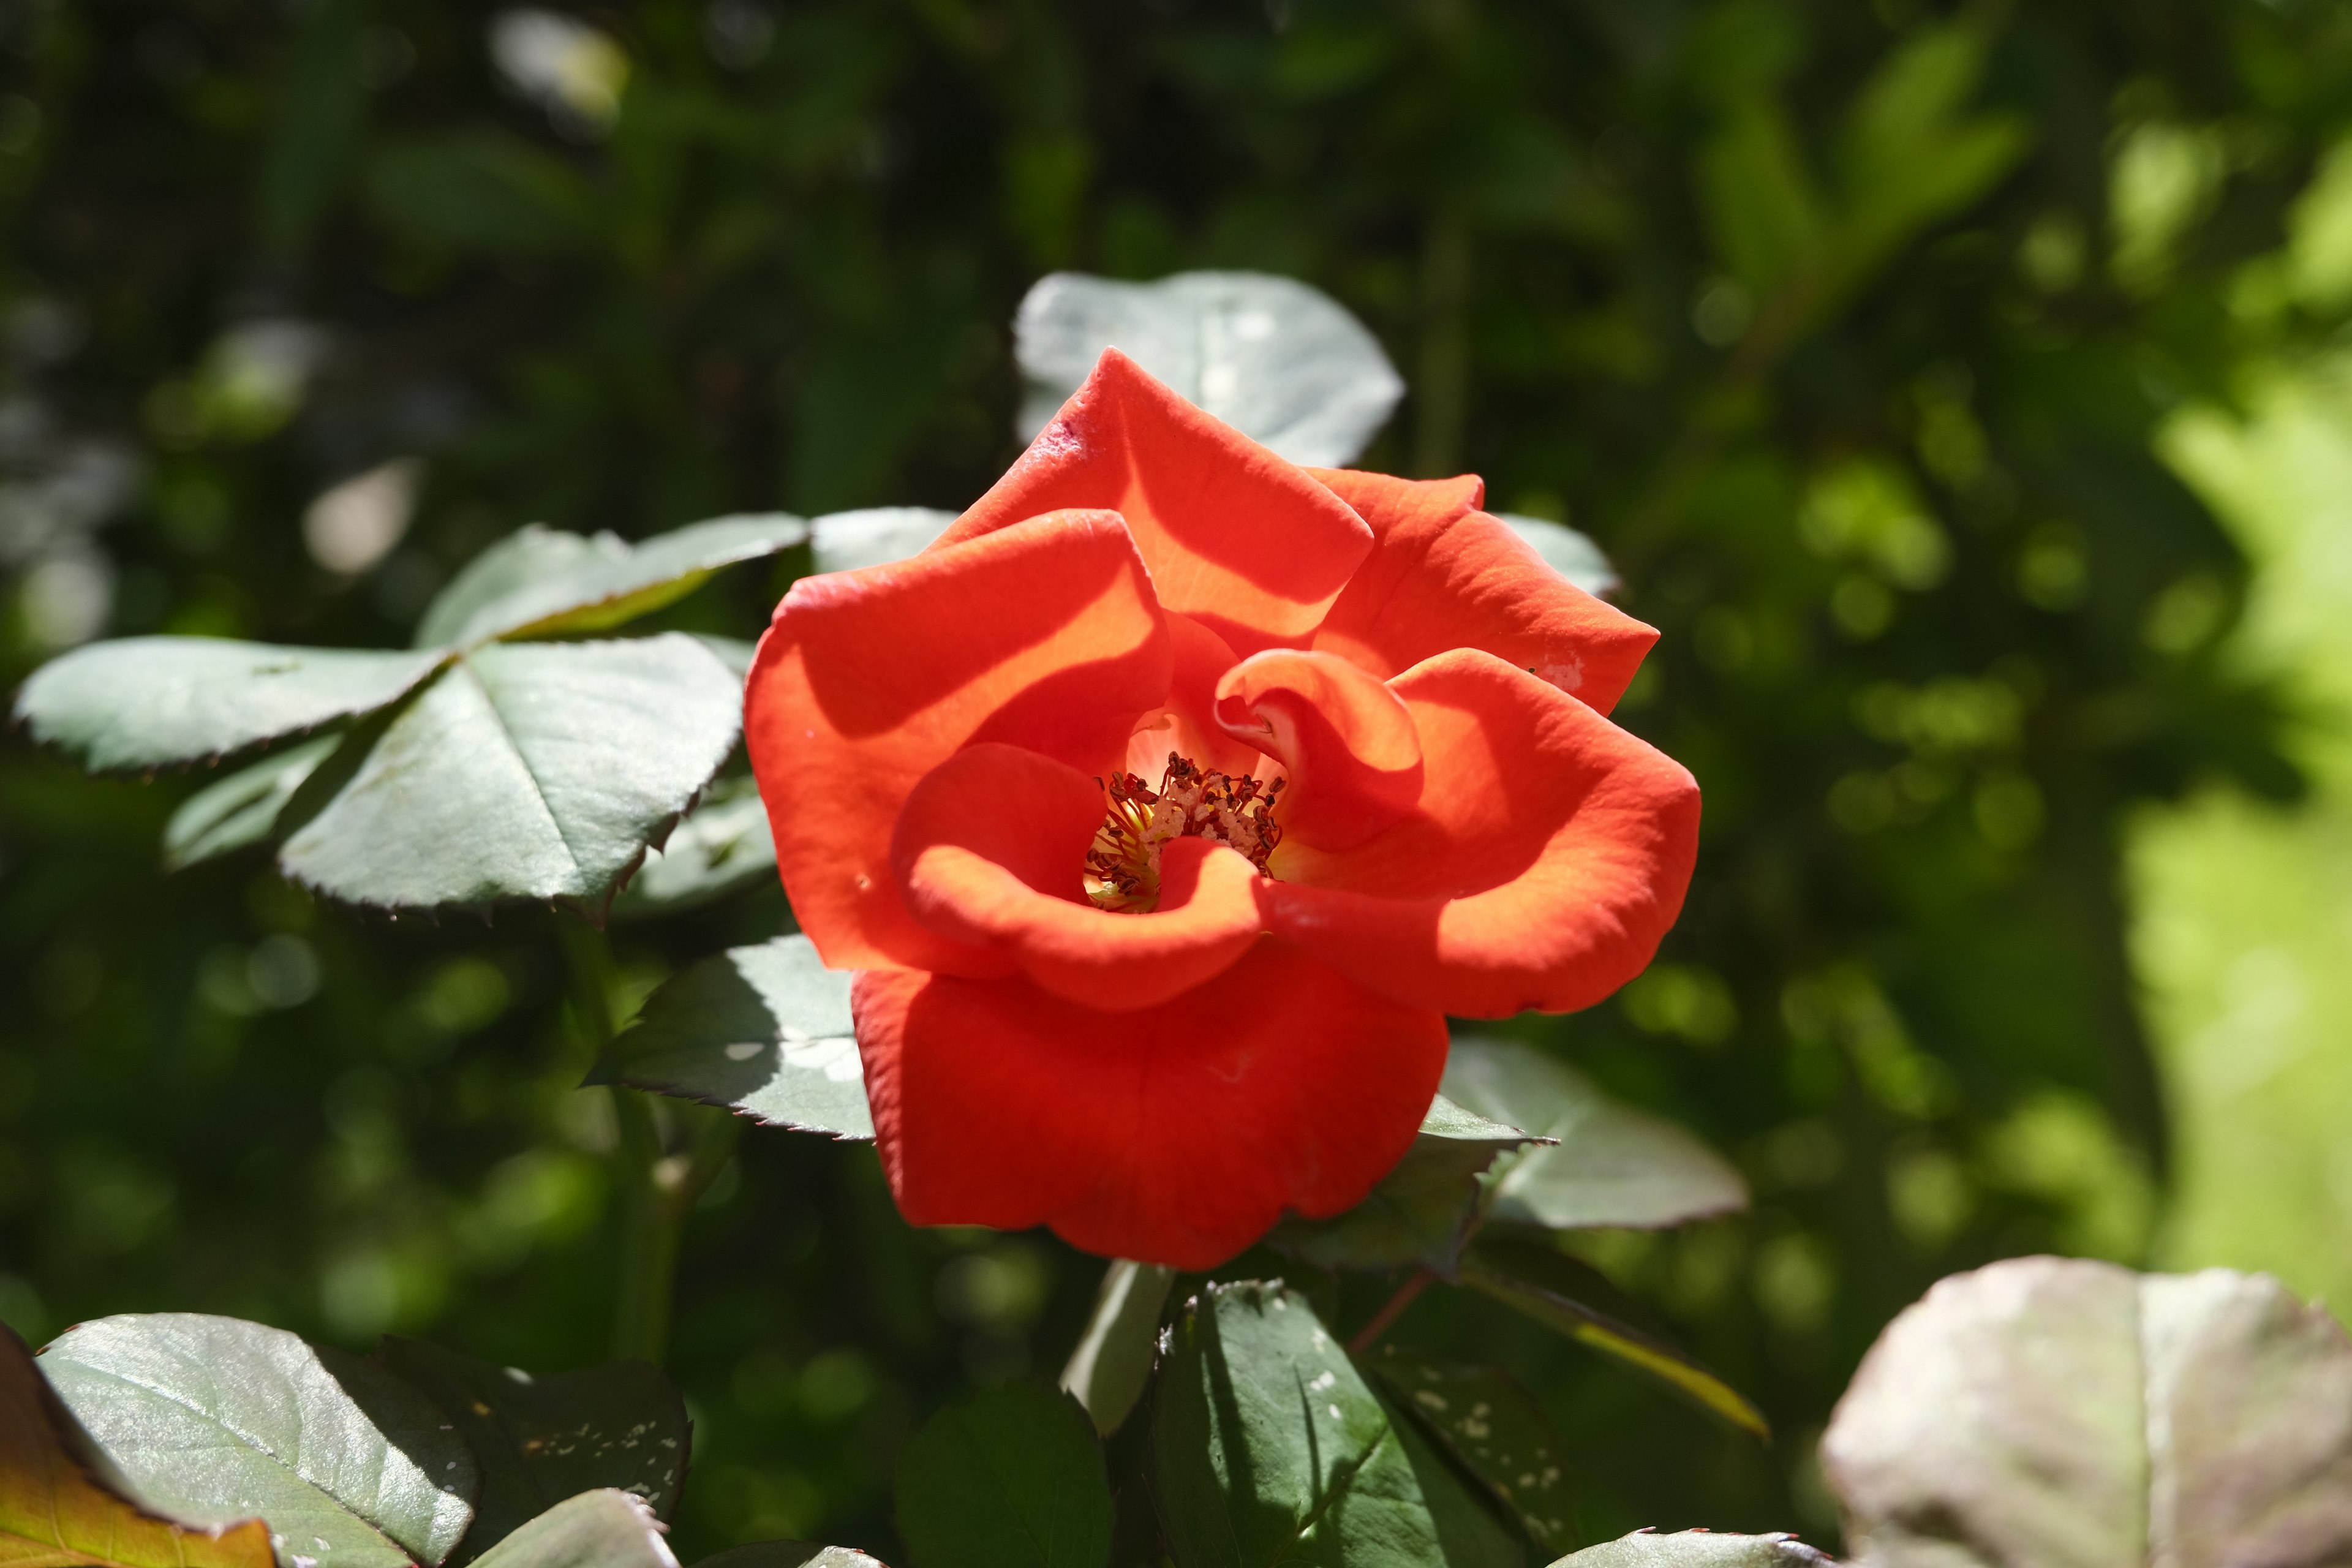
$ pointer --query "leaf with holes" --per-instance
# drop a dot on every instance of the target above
(1495, 1429)
(1011, 1478)
(1697, 1548)
(63, 1502)
(764, 1030)
(605, 1529)
(1269, 1447)
(1423, 1211)
(539, 1439)
(722, 847)
(218, 1420)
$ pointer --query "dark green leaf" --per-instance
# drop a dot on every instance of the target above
(536, 581)
(150, 702)
(788, 1554)
(1695, 1548)
(529, 770)
(594, 1530)
(1013, 1478)
(1422, 1212)
(764, 1030)
(2064, 1412)
(218, 1420)
(1269, 1447)
(483, 190)
(1565, 550)
(1557, 1290)
(243, 808)
(720, 845)
(844, 541)
(1612, 1166)
(1113, 1361)
(540, 1439)
(1495, 1429)
(1282, 362)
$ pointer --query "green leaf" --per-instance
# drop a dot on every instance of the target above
(2062, 1413)
(594, 1530)
(1557, 1290)
(788, 1554)
(1571, 554)
(1269, 1447)
(873, 536)
(529, 770)
(539, 1439)
(721, 845)
(1284, 363)
(1764, 209)
(1610, 1165)
(537, 582)
(764, 1030)
(243, 808)
(1909, 154)
(215, 1419)
(1113, 1361)
(1423, 1211)
(483, 190)
(152, 702)
(1012, 1479)
(63, 1501)
(1697, 1549)
(1496, 1430)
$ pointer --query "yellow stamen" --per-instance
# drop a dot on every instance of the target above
(1123, 866)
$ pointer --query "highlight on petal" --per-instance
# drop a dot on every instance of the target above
(989, 853)
(1443, 575)
(1549, 853)
(1046, 635)
(1177, 1135)
(1249, 545)
(1347, 742)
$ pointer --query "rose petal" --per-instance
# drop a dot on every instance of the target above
(1045, 634)
(1345, 740)
(1548, 853)
(1235, 537)
(1176, 1136)
(990, 850)
(1443, 575)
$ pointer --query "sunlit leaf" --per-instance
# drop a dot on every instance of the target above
(1495, 1429)
(150, 702)
(63, 1502)
(844, 541)
(1421, 1211)
(788, 1554)
(1697, 1549)
(1571, 554)
(1012, 1479)
(218, 1420)
(605, 1529)
(1269, 1447)
(719, 846)
(1284, 363)
(542, 1438)
(1611, 1165)
(1558, 1291)
(1113, 1360)
(764, 1030)
(242, 809)
(2071, 1413)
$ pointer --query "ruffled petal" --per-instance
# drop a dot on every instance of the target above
(1346, 741)
(1177, 1135)
(1045, 636)
(988, 854)
(1548, 853)
(1443, 575)
(1242, 541)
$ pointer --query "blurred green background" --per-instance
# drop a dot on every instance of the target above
(1957, 388)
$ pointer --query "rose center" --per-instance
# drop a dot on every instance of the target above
(1192, 802)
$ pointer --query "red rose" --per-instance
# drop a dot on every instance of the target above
(1169, 803)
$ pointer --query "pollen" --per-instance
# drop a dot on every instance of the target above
(1192, 802)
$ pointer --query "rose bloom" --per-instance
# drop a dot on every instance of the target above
(1169, 803)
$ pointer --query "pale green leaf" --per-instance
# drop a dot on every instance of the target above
(1571, 554)
(243, 808)
(1012, 1479)
(721, 845)
(873, 536)
(605, 1529)
(1113, 1360)
(788, 1554)
(1697, 1549)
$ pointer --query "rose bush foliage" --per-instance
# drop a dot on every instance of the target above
(1168, 803)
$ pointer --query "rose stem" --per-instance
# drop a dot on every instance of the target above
(1389, 1312)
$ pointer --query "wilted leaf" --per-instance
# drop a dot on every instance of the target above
(1612, 1166)
(63, 1502)
(540, 1439)
(1695, 1548)
(1107, 1371)
(764, 1030)
(1495, 1429)
(529, 770)
(844, 541)
(1269, 1447)
(1421, 1211)
(2069, 1414)
(594, 1530)
(216, 1420)
(150, 702)
(243, 808)
(720, 845)
(1557, 1290)
(1012, 1479)
(1284, 363)
(1571, 554)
